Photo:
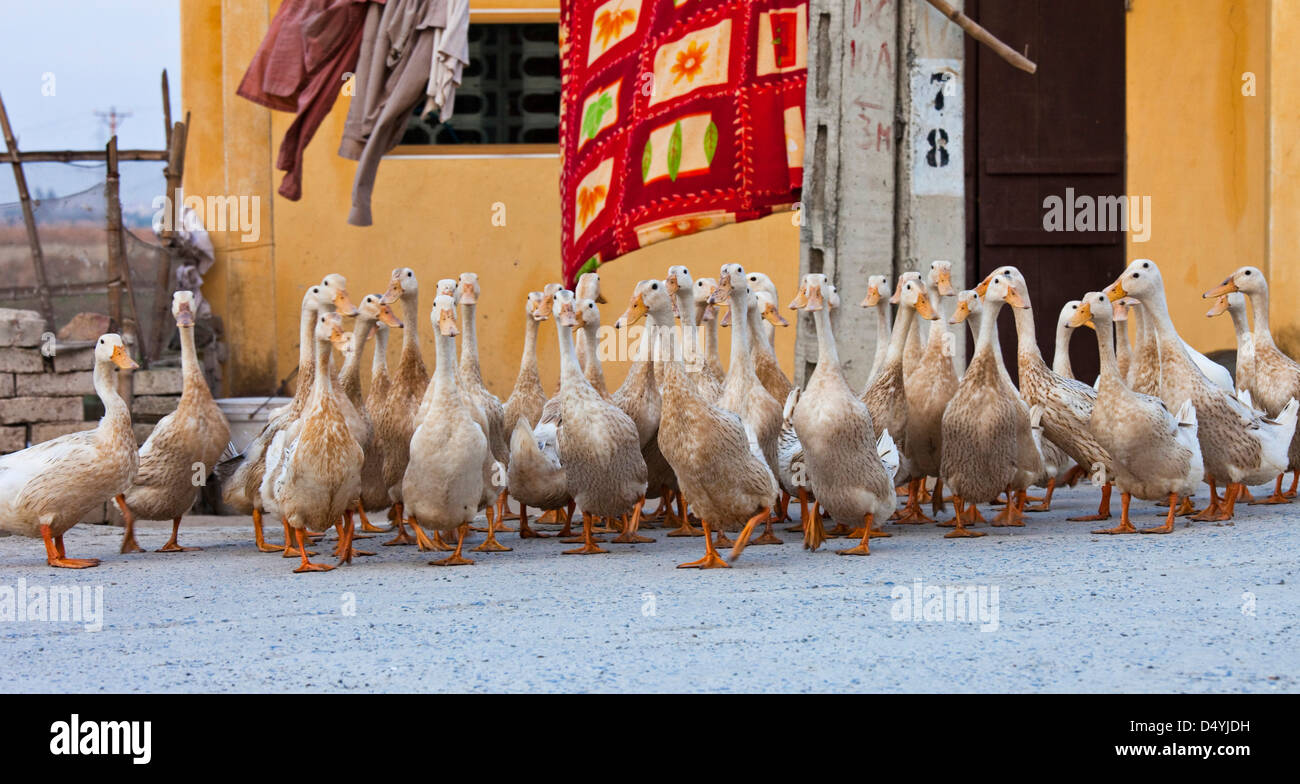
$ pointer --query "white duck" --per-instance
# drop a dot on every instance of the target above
(48, 488)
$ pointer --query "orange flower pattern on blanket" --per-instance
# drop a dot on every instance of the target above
(588, 200)
(609, 23)
(690, 62)
(676, 118)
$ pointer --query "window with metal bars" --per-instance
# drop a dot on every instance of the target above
(509, 92)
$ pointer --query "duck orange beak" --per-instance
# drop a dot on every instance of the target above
(184, 316)
(723, 292)
(773, 316)
(1014, 299)
(1226, 287)
(567, 317)
(344, 305)
(943, 282)
(1220, 306)
(983, 287)
(1082, 316)
(123, 359)
(873, 297)
(959, 315)
(897, 296)
(800, 300)
(447, 322)
(388, 317)
(923, 307)
(1115, 290)
(467, 295)
(815, 301)
(394, 291)
(671, 284)
(636, 309)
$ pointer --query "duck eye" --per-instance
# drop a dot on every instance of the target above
(1136, 275)
(1146, 265)
(1247, 272)
(654, 286)
(409, 273)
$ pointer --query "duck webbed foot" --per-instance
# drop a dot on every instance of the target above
(1103, 509)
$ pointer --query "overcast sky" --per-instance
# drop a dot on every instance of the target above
(95, 55)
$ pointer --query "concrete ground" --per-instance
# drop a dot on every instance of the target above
(1206, 609)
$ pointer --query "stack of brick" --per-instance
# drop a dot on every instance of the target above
(47, 388)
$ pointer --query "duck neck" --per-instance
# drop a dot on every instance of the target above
(883, 334)
(1262, 333)
(445, 384)
(933, 332)
(411, 335)
(1106, 350)
(987, 337)
(469, 344)
(116, 414)
(306, 346)
(902, 326)
(708, 334)
(1026, 333)
(528, 360)
(1061, 358)
(692, 340)
(191, 374)
(594, 370)
(379, 362)
(1240, 325)
(827, 354)
(741, 358)
(322, 385)
(350, 375)
(570, 370)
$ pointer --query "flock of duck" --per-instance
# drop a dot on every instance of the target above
(733, 447)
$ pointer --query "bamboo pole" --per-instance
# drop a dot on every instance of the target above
(984, 36)
(29, 218)
(119, 272)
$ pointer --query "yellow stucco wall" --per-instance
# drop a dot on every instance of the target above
(1199, 148)
(433, 214)
(1215, 163)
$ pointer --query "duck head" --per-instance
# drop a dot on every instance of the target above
(448, 287)
(1067, 314)
(564, 309)
(533, 306)
(588, 287)
(765, 305)
(1141, 279)
(911, 275)
(911, 294)
(1246, 280)
(876, 286)
(649, 296)
(588, 315)
(704, 288)
(1233, 301)
(811, 295)
(183, 308)
(548, 298)
(329, 328)
(940, 276)
(968, 303)
(374, 309)
(759, 281)
(401, 283)
(336, 287)
(111, 348)
(1094, 308)
(469, 289)
(443, 316)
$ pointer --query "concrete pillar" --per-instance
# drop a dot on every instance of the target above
(849, 168)
(1281, 85)
(931, 207)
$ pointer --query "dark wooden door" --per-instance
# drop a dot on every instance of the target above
(1053, 133)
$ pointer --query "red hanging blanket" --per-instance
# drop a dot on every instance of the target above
(677, 116)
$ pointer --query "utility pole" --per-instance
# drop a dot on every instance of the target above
(112, 118)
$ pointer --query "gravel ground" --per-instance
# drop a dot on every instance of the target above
(1207, 609)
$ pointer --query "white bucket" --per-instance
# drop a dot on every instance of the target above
(247, 416)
